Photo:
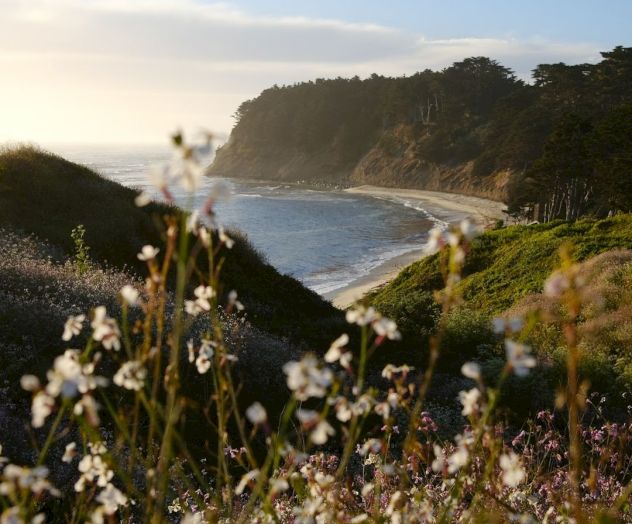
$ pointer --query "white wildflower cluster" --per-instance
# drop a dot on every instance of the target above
(233, 302)
(224, 238)
(256, 414)
(203, 295)
(17, 479)
(320, 430)
(148, 253)
(105, 329)
(129, 294)
(453, 462)
(93, 468)
(205, 354)
(518, 354)
(95, 471)
(247, 480)
(306, 378)
(439, 237)
(383, 327)
(186, 168)
(471, 402)
(390, 371)
(336, 352)
(73, 327)
(519, 357)
(131, 375)
(67, 379)
(513, 474)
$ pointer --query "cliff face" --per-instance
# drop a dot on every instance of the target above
(403, 166)
(394, 161)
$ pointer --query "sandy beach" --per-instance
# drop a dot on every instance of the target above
(448, 207)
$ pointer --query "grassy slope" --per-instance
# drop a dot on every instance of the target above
(48, 196)
(506, 264)
(503, 266)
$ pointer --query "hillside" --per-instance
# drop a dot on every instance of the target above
(556, 148)
(44, 195)
(504, 276)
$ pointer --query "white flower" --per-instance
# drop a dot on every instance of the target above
(513, 472)
(131, 375)
(458, 459)
(192, 222)
(41, 407)
(469, 399)
(362, 316)
(519, 357)
(201, 303)
(225, 239)
(69, 376)
(29, 383)
(436, 240)
(335, 351)
(105, 329)
(93, 468)
(203, 361)
(111, 499)
(278, 486)
(385, 327)
(556, 285)
(129, 295)
(245, 480)
(204, 236)
(372, 445)
(72, 327)
(469, 230)
(148, 253)
(439, 463)
(256, 414)
(233, 302)
(70, 452)
(362, 405)
(343, 409)
(142, 199)
(471, 370)
(24, 478)
(321, 433)
(390, 370)
(306, 379)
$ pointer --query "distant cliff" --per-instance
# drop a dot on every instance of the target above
(473, 128)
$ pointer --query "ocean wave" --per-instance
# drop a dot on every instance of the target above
(333, 279)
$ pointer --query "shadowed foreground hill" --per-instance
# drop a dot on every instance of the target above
(45, 195)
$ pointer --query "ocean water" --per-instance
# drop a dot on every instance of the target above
(326, 239)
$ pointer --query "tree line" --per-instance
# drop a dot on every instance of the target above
(565, 136)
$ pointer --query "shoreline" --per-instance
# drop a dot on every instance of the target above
(449, 207)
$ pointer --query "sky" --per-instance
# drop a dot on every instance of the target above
(132, 71)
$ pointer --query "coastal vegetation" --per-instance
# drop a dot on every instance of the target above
(488, 382)
(558, 147)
